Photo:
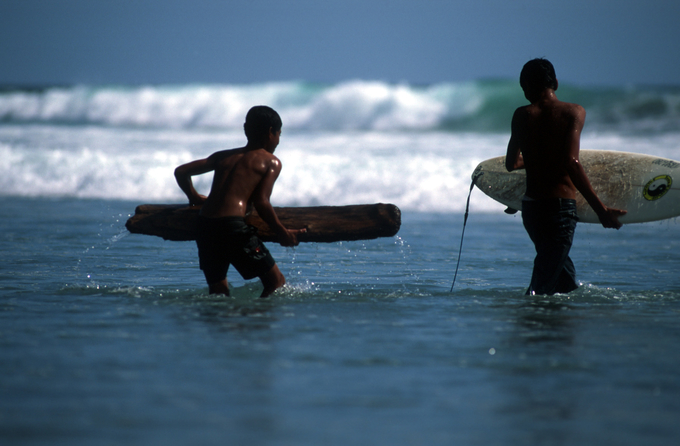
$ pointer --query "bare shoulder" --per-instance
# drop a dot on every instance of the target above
(522, 111)
(222, 154)
(573, 110)
(260, 154)
(520, 117)
(261, 160)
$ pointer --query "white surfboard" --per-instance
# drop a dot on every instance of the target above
(646, 186)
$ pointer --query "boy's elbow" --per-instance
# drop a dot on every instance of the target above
(514, 160)
(181, 176)
(510, 166)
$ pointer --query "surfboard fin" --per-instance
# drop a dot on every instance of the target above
(510, 211)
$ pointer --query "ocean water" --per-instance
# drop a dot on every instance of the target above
(111, 338)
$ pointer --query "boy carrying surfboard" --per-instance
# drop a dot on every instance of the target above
(545, 141)
(243, 178)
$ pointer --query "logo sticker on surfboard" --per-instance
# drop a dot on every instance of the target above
(657, 187)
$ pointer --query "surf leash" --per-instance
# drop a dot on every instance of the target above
(467, 212)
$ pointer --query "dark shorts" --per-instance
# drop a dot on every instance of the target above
(229, 240)
(551, 224)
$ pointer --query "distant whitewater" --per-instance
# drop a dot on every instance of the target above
(354, 105)
(352, 142)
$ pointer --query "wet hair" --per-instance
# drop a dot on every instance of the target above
(538, 74)
(259, 120)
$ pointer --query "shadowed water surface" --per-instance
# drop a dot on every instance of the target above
(111, 338)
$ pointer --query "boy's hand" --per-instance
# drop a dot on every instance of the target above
(610, 218)
(289, 238)
(198, 201)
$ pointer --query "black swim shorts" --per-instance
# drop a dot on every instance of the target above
(229, 240)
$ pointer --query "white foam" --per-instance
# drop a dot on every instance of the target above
(416, 171)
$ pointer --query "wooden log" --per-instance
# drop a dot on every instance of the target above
(326, 224)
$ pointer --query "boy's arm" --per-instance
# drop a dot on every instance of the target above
(513, 156)
(609, 217)
(261, 201)
(183, 176)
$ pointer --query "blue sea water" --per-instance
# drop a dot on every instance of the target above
(111, 338)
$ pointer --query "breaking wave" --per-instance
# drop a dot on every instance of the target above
(478, 106)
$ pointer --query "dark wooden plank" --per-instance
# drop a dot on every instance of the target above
(326, 224)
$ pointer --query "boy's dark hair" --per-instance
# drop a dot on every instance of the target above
(538, 74)
(259, 120)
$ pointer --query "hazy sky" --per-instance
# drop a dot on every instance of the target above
(601, 42)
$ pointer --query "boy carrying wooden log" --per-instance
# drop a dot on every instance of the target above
(243, 178)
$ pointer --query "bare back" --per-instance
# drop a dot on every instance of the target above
(547, 132)
(238, 177)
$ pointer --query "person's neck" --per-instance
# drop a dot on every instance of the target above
(255, 145)
(545, 95)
